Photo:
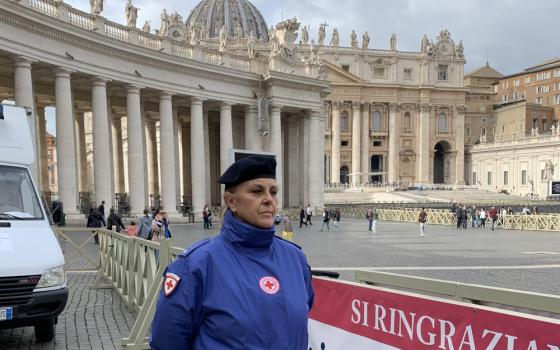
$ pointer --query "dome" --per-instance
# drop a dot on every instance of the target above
(212, 14)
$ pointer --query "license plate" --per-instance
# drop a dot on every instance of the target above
(6, 313)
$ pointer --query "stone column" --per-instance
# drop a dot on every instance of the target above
(43, 152)
(460, 142)
(394, 158)
(252, 140)
(198, 151)
(136, 160)
(365, 143)
(356, 139)
(226, 140)
(167, 154)
(101, 140)
(207, 160)
(335, 148)
(293, 162)
(276, 148)
(152, 159)
(81, 152)
(116, 128)
(23, 96)
(316, 155)
(186, 145)
(423, 135)
(303, 169)
(65, 149)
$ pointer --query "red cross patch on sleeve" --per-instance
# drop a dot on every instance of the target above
(170, 283)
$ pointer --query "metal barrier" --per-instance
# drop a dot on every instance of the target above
(527, 302)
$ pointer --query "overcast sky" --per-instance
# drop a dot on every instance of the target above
(513, 34)
(516, 34)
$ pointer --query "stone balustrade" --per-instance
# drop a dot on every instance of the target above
(207, 52)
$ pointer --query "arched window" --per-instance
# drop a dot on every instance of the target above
(442, 122)
(376, 120)
(344, 121)
(407, 123)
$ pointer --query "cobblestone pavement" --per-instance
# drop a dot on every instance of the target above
(93, 319)
(98, 319)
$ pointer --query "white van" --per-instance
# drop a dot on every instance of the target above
(32, 280)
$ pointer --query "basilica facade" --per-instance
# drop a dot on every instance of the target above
(395, 117)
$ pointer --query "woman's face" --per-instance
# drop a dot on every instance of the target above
(254, 202)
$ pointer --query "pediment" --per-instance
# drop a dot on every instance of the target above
(336, 75)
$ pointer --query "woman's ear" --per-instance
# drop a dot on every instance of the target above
(229, 200)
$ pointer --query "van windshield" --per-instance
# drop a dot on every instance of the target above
(18, 200)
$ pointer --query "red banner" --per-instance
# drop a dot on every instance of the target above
(349, 316)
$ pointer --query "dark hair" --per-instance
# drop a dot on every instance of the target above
(146, 211)
(132, 223)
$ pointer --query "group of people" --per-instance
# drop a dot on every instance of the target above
(153, 226)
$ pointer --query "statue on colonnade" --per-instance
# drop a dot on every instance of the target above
(335, 38)
(305, 35)
(251, 40)
(131, 12)
(96, 7)
(164, 23)
(365, 40)
(393, 42)
(146, 27)
(354, 39)
(322, 34)
(223, 38)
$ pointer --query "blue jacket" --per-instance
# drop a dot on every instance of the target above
(244, 289)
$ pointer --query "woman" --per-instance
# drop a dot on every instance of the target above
(157, 226)
(243, 289)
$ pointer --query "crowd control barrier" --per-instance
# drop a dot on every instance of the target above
(381, 311)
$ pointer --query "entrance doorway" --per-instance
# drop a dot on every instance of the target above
(442, 166)
(376, 167)
(344, 174)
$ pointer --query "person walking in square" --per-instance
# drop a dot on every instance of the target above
(302, 218)
(309, 212)
(422, 219)
(287, 230)
(483, 218)
(326, 218)
(493, 215)
(114, 219)
(336, 219)
(206, 216)
(464, 217)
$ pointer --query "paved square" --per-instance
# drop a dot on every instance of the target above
(98, 319)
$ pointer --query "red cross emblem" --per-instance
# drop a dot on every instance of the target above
(170, 283)
(269, 285)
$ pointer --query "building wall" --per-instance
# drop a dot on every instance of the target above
(538, 85)
(524, 160)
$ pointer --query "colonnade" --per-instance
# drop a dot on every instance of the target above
(184, 148)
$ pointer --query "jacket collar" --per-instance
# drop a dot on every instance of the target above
(244, 235)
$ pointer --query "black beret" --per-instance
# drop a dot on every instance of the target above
(249, 168)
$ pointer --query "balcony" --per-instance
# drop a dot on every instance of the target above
(378, 132)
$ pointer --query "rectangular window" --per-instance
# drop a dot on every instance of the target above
(474, 178)
(442, 72)
(538, 100)
(506, 178)
(527, 80)
(495, 88)
(489, 178)
(378, 72)
(467, 131)
(408, 73)
(557, 100)
(344, 143)
(543, 174)
(557, 73)
(524, 177)
(346, 67)
(377, 143)
(516, 83)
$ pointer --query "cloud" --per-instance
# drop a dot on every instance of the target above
(514, 34)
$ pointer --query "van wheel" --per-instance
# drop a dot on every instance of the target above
(44, 331)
